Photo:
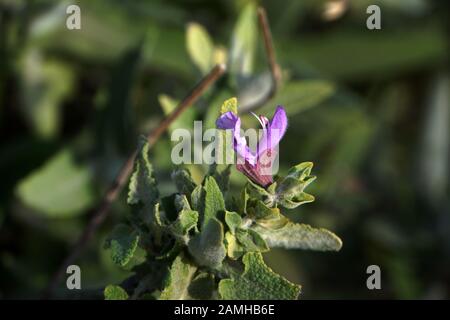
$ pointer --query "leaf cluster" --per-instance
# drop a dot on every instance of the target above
(204, 243)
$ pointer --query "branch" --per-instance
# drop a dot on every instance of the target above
(275, 70)
(101, 212)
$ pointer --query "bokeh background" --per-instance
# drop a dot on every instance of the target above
(369, 108)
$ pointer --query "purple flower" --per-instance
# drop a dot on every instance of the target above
(256, 165)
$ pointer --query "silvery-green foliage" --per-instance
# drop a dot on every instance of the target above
(199, 244)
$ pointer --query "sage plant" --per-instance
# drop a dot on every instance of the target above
(204, 243)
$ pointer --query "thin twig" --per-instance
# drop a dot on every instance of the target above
(100, 213)
(270, 51)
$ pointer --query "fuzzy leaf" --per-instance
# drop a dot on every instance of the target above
(186, 221)
(265, 195)
(142, 188)
(251, 240)
(113, 292)
(200, 47)
(264, 216)
(298, 178)
(202, 287)
(214, 202)
(207, 247)
(233, 221)
(143, 192)
(178, 280)
(181, 202)
(198, 199)
(183, 181)
(301, 171)
(222, 177)
(300, 236)
(290, 191)
(234, 248)
(258, 210)
(242, 202)
(123, 243)
(257, 282)
(295, 201)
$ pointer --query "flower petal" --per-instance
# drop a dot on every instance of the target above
(274, 131)
(227, 121)
(240, 144)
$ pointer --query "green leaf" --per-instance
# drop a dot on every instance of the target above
(143, 191)
(244, 40)
(181, 202)
(233, 221)
(302, 171)
(260, 211)
(290, 186)
(254, 91)
(298, 96)
(198, 199)
(142, 188)
(300, 236)
(290, 191)
(230, 105)
(214, 202)
(234, 249)
(113, 292)
(297, 200)
(186, 221)
(124, 245)
(275, 220)
(178, 280)
(207, 247)
(242, 201)
(241, 240)
(226, 155)
(45, 84)
(160, 220)
(258, 192)
(202, 287)
(222, 177)
(200, 47)
(224, 152)
(212, 113)
(183, 181)
(257, 282)
(251, 240)
(61, 188)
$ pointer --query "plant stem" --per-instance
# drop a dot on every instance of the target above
(101, 212)
(270, 51)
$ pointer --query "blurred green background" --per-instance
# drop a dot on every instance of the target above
(369, 108)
